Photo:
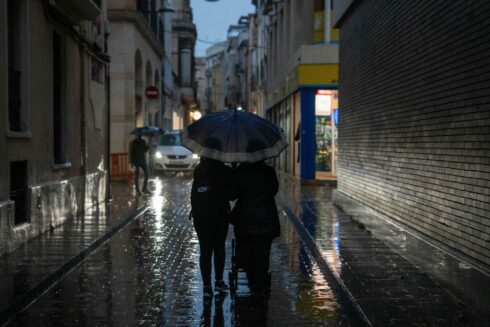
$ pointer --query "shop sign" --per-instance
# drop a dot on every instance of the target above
(323, 103)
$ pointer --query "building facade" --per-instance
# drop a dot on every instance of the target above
(137, 46)
(418, 153)
(183, 42)
(201, 86)
(54, 103)
(215, 90)
(297, 71)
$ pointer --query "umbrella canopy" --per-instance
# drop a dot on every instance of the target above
(147, 131)
(234, 136)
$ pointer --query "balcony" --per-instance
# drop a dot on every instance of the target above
(77, 10)
(184, 25)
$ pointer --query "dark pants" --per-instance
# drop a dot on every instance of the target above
(212, 232)
(137, 166)
(254, 252)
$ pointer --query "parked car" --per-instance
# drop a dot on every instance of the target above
(170, 155)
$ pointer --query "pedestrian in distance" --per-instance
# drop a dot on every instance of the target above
(137, 158)
(256, 221)
(210, 209)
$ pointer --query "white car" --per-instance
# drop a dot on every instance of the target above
(170, 155)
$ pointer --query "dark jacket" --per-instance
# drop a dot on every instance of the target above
(137, 151)
(255, 213)
(210, 189)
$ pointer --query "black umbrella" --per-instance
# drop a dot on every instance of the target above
(234, 136)
(147, 131)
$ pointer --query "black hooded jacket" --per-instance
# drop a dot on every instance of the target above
(255, 213)
(210, 193)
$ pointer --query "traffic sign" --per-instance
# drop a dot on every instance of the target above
(152, 92)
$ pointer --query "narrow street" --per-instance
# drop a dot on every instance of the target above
(148, 274)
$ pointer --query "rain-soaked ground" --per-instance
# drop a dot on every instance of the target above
(148, 274)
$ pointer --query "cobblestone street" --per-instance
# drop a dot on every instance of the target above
(148, 274)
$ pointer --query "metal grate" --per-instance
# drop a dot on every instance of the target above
(176, 157)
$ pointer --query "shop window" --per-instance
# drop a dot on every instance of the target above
(326, 104)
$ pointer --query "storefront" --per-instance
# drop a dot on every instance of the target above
(309, 118)
(326, 119)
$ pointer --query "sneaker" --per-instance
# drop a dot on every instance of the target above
(220, 286)
(207, 292)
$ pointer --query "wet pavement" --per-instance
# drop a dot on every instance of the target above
(390, 290)
(148, 274)
(327, 270)
(29, 271)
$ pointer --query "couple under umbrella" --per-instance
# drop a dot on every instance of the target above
(245, 140)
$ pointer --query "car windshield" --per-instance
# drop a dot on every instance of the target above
(170, 139)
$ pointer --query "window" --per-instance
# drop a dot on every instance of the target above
(14, 54)
(59, 96)
(161, 34)
(170, 139)
(154, 17)
(143, 7)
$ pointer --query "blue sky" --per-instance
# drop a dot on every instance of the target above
(213, 18)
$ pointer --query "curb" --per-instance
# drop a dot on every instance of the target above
(337, 285)
(27, 299)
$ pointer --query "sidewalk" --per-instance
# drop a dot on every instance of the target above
(31, 270)
(385, 287)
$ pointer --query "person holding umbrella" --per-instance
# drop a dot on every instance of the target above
(137, 154)
(210, 208)
(242, 137)
(256, 221)
(137, 158)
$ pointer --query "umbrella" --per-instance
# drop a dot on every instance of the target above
(234, 136)
(147, 131)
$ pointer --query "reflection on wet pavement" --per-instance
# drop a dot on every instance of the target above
(388, 288)
(148, 274)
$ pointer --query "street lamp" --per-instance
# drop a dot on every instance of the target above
(196, 115)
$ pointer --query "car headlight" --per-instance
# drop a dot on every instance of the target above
(158, 155)
(195, 156)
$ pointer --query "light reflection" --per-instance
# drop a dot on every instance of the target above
(157, 203)
(333, 255)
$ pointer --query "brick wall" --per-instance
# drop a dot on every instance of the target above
(414, 133)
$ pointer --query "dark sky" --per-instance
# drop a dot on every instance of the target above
(213, 18)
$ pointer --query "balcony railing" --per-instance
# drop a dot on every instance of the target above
(86, 9)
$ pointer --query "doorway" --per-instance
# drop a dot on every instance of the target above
(326, 111)
(19, 190)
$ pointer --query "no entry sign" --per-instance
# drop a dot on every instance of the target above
(151, 92)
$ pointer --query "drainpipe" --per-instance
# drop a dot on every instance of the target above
(83, 141)
(108, 168)
(108, 136)
(327, 23)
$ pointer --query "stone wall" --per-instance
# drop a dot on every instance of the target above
(50, 205)
(414, 133)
